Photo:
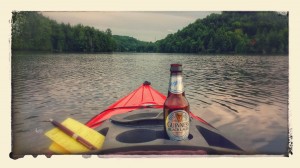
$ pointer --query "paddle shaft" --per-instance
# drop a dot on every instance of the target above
(73, 135)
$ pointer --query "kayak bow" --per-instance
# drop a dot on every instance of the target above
(143, 97)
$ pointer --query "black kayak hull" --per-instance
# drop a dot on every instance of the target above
(141, 132)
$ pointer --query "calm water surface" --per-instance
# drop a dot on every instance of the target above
(245, 97)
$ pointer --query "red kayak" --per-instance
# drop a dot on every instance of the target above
(134, 125)
(143, 97)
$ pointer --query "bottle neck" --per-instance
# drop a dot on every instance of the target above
(176, 83)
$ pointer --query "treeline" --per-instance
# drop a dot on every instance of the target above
(34, 32)
(130, 44)
(226, 33)
(233, 33)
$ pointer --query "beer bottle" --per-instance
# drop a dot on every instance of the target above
(176, 107)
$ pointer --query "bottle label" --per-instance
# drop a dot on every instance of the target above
(176, 85)
(178, 125)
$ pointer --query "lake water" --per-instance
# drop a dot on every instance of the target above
(245, 97)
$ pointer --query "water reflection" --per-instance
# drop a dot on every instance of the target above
(244, 97)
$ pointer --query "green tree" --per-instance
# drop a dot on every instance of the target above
(231, 32)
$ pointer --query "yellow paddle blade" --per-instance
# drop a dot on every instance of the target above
(69, 144)
(54, 147)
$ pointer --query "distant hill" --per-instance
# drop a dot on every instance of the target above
(33, 32)
(130, 44)
(225, 33)
(231, 32)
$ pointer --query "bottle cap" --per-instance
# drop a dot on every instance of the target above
(176, 68)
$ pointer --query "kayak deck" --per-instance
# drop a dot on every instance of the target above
(142, 132)
(135, 125)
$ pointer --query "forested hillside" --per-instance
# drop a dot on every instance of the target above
(32, 31)
(130, 44)
(231, 32)
(226, 33)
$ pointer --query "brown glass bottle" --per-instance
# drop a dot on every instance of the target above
(176, 107)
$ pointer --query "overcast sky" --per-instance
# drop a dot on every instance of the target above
(146, 26)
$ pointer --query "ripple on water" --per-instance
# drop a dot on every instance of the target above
(229, 91)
